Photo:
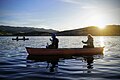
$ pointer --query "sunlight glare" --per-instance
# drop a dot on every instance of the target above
(102, 41)
(102, 26)
(97, 20)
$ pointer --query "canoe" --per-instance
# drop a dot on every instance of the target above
(20, 39)
(65, 51)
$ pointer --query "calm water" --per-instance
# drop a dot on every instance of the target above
(16, 64)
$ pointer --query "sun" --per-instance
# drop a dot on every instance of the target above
(101, 26)
(100, 22)
(97, 20)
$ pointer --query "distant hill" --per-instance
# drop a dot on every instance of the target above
(110, 30)
(10, 30)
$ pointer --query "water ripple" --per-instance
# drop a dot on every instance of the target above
(15, 65)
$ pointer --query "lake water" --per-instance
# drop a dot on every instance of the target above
(14, 62)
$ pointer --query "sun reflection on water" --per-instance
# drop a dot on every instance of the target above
(102, 41)
(102, 44)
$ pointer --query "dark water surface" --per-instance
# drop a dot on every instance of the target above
(15, 64)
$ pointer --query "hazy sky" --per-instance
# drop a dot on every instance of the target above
(59, 14)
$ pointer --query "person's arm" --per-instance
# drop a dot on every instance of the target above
(85, 42)
(58, 40)
(51, 39)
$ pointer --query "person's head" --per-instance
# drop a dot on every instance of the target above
(89, 36)
(53, 35)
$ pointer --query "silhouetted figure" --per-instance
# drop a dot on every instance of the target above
(89, 42)
(54, 42)
(17, 38)
(23, 37)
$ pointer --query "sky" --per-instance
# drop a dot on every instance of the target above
(59, 14)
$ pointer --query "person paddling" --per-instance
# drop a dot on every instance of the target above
(89, 42)
(54, 42)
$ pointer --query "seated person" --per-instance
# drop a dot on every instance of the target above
(89, 42)
(54, 42)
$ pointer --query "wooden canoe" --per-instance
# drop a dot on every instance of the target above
(65, 51)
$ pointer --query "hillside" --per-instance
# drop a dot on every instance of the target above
(110, 30)
(10, 30)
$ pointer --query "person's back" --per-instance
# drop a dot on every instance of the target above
(89, 42)
(55, 43)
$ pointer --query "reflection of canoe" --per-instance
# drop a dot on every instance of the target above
(65, 51)
(53, 61)
(20, 39)
(46, 58)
